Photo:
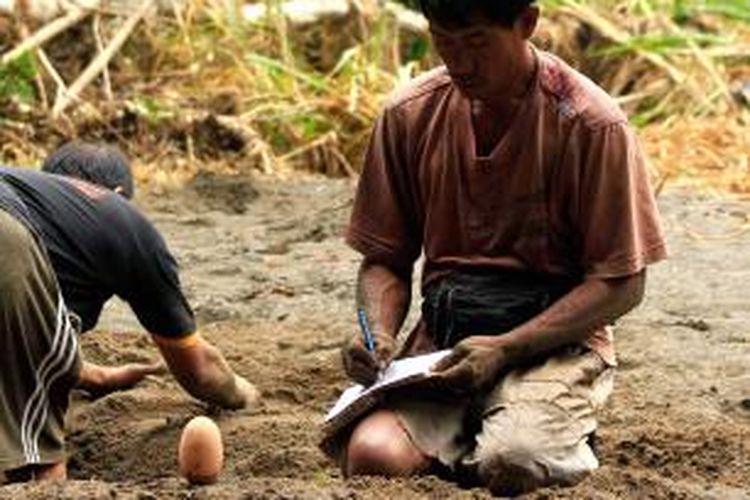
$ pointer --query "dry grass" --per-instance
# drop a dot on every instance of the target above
(676, 68)
(702, 153)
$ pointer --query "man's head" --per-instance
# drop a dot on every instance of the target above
(483, 42)
(100, 164)
(463, 13)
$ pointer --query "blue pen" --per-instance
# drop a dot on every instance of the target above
(369, 340)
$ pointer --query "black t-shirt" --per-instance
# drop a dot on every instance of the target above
(100, 245)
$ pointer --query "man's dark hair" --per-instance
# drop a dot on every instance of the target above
(459, 12)
(101, 164)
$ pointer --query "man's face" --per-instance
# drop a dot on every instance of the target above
(483, 59)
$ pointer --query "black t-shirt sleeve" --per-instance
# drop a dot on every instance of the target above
(153, 286)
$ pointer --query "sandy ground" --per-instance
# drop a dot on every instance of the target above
(272, 284)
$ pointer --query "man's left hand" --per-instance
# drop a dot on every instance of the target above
(473, 366)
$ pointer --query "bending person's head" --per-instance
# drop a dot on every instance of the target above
(100, 164)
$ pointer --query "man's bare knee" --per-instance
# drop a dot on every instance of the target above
(380, 446)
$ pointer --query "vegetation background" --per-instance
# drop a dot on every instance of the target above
(206, 85)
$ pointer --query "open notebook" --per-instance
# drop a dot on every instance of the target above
(358, 399)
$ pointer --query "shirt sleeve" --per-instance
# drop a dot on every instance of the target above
(384, 223)
(153, 287)
(617, 214)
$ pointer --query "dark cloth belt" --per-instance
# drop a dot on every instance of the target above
(487, 302)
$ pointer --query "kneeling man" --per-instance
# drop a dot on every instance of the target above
(524, 187)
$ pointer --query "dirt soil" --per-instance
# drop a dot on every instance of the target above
(271, 281)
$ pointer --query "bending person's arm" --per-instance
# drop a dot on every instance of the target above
(202, 371)
(99, 380)
(152, 287)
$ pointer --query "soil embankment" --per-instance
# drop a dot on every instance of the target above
(271, 282)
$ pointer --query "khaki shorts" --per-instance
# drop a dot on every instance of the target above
(532, 430)
(39, 351)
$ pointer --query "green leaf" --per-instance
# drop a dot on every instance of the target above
(276, 68)
(17, 79)
(733, 9)
(418, 49)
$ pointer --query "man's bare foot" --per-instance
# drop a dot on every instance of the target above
(51, 472)
(37, 472)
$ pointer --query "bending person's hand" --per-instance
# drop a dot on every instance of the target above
(249, 392)
(100, 380)
(363, 366)
(474, 365)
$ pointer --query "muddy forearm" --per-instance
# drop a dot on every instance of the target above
(570, 320)
(217, 384)
(204, 373)
(384, 294)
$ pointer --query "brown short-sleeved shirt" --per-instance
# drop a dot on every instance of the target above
(564, 192)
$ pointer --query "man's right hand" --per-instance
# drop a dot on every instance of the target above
(248, 391)
(363, 366)
(202, 371)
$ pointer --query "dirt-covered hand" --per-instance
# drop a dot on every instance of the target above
(473, 366)
(363, 366)
(250, 394)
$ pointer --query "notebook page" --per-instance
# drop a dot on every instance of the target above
(408, 367)
(397, 371)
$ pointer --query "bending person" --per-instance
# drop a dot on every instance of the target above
(68, 246)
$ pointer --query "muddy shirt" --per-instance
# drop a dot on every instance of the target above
(100, 245)
(564, 192)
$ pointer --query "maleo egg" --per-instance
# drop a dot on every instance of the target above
(201, 452)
